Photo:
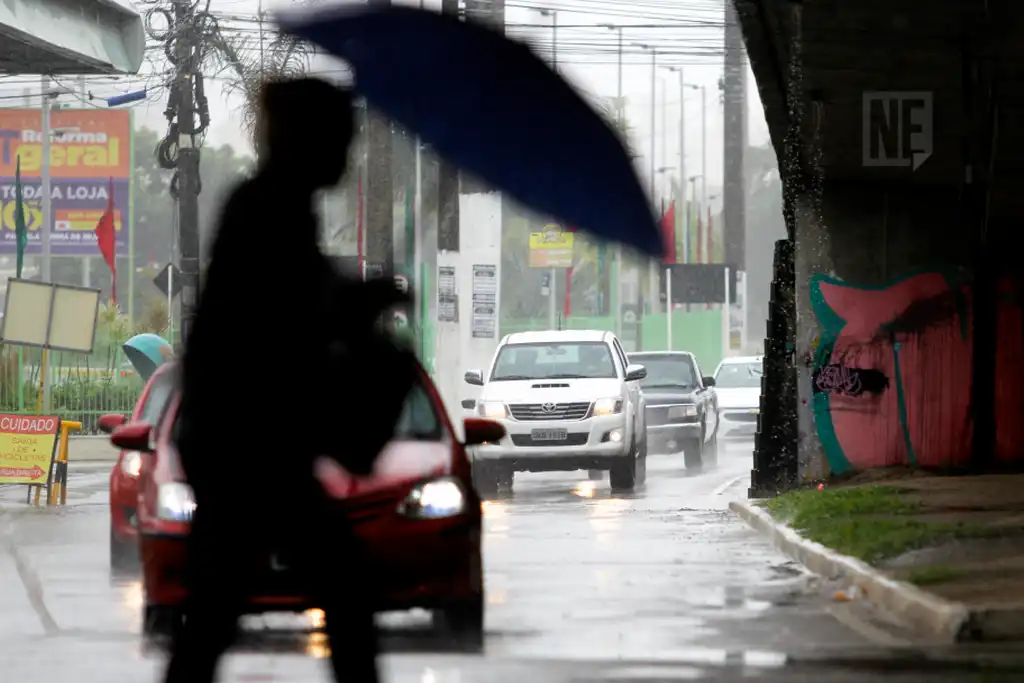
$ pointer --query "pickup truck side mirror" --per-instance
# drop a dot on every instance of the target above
(708, 381)
(635, 372)
(474, 377)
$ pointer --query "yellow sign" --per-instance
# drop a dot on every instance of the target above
(551, 248)
(27, 444)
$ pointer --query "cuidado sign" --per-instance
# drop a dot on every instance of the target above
(28, 444)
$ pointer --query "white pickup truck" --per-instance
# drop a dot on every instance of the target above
(569, 400)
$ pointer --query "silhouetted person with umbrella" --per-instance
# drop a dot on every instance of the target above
(255, 416)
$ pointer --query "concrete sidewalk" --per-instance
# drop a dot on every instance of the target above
(968, 586)
(91, 449)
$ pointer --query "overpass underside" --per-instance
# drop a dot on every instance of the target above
(56, 37)
(896, 330)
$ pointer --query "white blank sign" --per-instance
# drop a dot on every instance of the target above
(50, 315)
(73, 325)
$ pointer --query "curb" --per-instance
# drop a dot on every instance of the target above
(946, 621)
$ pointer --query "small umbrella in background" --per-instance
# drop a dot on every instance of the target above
(147, 352)
(492, 107)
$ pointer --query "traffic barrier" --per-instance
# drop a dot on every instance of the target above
(57, 483)
(58, 488)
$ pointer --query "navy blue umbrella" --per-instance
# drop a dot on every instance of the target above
(492, 107)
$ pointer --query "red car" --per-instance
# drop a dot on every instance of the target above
(418, 514)
(124, 478)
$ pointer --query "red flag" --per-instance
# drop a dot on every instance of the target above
(106, 239)
(668, 232)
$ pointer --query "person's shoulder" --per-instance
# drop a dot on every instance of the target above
(247, 189)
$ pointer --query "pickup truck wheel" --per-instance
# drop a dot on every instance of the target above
(711, 450)
(506, 478)
(595, 475)
(485, 480)
(641, 460)
(623, 472)
(692, 455)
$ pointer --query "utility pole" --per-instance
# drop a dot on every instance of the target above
(380, 201)
(188, 163)
(620, 113)
(652, 269)
(46, 258)
(734, 143)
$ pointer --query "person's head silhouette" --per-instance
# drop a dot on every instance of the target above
(297, 117)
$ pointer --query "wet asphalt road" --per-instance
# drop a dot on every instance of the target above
(583, 585)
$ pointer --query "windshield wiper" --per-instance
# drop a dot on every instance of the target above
(510, 377)
(565, 376)
(668, 386)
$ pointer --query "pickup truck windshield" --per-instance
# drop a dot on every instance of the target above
(667, 372)
(739, 376)
(566, 360)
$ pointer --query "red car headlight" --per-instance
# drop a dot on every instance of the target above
(131, 463)
(435, 499)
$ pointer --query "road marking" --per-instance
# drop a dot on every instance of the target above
(727, 485)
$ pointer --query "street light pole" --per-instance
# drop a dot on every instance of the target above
(553, 273)
(704, 150)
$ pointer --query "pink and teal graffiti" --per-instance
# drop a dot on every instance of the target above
(892, 374)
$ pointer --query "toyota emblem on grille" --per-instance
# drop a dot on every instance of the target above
(549, 407)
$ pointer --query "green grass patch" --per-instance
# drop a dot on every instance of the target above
(802, 508)
(929, 576)
(871, 523)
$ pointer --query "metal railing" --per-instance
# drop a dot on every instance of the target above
(82, 388)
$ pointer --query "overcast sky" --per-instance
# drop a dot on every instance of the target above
(687, 32)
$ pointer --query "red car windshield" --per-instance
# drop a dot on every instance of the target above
(419, 420)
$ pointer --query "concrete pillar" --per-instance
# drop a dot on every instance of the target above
(812, 257)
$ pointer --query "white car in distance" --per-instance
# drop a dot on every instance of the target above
(738, 384)
(569, 400)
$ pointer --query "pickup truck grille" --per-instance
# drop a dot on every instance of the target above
(526, 441)
(658, 415)
(527, 412)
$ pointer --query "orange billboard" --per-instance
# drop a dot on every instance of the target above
(86, 143)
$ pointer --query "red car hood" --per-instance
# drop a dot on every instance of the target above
(399, 463)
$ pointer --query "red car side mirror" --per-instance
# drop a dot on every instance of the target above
(134, 437)
(480, 430)
(108, 423)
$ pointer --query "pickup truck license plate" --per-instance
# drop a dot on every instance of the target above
(549, 434)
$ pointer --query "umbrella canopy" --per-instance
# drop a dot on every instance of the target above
(147, 352)
(491, 106)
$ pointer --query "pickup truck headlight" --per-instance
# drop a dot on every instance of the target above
(175, 502)
(680, 412)
(608, 406)
(493, 410)
(434, 500)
